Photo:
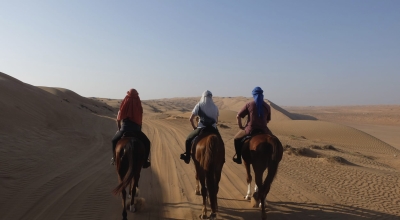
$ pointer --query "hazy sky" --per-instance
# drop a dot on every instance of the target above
(300, 52)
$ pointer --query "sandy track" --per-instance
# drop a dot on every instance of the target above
(75, 182)
(305, 187)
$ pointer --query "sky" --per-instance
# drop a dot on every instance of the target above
(301, 53)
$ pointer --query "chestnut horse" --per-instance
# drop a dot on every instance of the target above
(208, 154)
(129, 161)
(262, 151)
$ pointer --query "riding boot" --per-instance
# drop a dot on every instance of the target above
(238, 149)
(146, 153)
(186, 156)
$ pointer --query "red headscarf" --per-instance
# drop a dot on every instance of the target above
(131, 107)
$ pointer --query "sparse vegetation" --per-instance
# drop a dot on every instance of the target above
(109, 109)
(84, 106)
(325, 147)
(223, 126)
(301, 151)
(336, 159)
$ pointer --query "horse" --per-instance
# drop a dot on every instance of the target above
(262, 151)
(208, 154)
(129, 161)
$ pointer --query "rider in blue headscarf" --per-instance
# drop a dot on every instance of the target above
(259, 114)
(259, 99)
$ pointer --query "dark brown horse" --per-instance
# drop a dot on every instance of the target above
(208, 154)
(262, 151)
(129, 161)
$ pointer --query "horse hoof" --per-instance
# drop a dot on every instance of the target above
(247, 197)
(197, 192)
(254, 203)
(213, 216)
(132, 208)
(203, 216)
(137, 192)
(264, 216)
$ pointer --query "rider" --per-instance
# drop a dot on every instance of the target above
(259, 113)
(208, 113)
(131, 114)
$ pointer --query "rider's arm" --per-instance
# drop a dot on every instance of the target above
(192, 116)
(239, 121)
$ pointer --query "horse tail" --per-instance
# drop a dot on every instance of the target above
(130, 156)
(273, 161)
(209, 163)
(207, 156)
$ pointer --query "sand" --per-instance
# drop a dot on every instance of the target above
(56, 149)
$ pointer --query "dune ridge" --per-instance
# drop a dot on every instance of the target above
(55, 162)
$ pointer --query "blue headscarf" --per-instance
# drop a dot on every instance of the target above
(259, 99)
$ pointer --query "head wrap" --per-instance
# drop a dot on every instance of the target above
(259, 99)
(207, 106)
(206, 98)
(131, 107)
(206, 101)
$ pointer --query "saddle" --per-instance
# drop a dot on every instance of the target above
(203, 132)
(208, 129)
(129, 134)
(252, 134)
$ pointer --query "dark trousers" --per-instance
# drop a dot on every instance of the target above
(192, 135)
(128, 126)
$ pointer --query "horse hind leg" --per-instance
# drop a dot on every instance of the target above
(204, 195)
(212, 192)
(124, 214)
(248, 179)
(197, 190)
(130, 190)
(257, 194)
(272, 169)
(132, 193)
(204, 210)
(135, 193)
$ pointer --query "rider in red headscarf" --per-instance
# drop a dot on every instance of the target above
(131, 114)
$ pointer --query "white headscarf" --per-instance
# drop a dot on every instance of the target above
(207, 107)
(206, 100)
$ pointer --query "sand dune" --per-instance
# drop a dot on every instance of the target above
(55, 162)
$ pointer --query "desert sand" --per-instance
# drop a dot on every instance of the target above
(56, 150)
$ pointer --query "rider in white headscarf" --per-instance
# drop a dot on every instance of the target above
(208, 113)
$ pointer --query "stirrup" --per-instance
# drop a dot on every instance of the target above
(112, 161)
(146, 164)
(237, 160)
(185, 157)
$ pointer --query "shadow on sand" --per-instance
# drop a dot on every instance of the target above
(291, 210)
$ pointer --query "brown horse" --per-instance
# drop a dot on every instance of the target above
(262, 151)
(129, 161)
(208, 154)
